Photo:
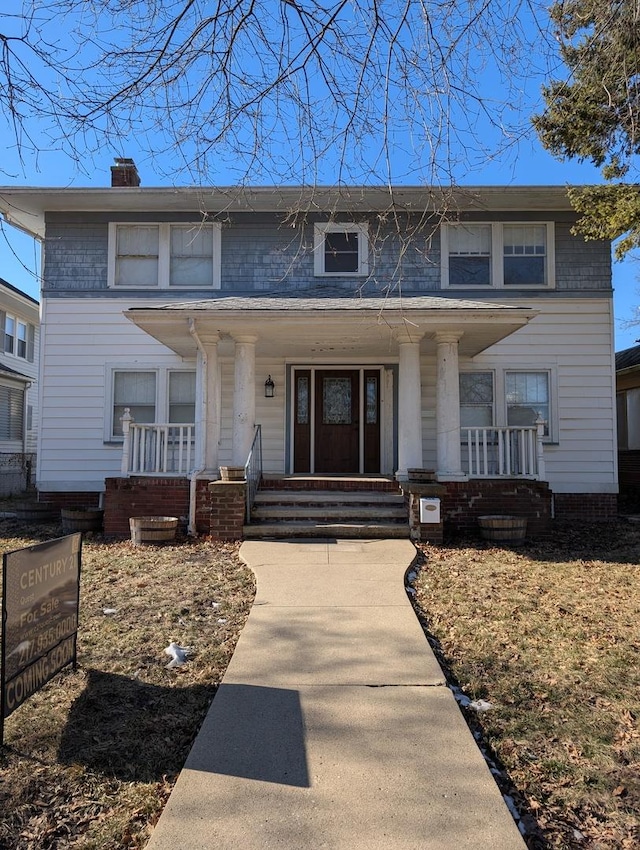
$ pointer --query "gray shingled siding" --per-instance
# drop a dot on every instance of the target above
(260, 254)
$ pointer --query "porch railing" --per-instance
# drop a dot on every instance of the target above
(158, 449)
(253, 470)
(504, 452)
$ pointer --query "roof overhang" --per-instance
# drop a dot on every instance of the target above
(25, 207)
(330, 328)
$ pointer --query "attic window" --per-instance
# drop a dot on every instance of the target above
(341, 249)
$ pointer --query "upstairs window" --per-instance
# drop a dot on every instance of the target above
(164, 256)
(18, 337)
(470, 255)
(497, 255)
(341, 249)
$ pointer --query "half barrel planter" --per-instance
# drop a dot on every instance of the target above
(498, 528)
(81, 519)
(37, 511)
(153, 529)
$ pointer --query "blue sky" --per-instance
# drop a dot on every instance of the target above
(518, 163)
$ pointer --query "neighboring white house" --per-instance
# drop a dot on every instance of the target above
(19, 329)
(479, 346)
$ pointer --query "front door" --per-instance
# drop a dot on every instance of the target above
(337, 432)
(336, 421)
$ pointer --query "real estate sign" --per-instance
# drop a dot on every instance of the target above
(40, 597)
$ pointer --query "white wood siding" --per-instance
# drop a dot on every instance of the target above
(571, 337)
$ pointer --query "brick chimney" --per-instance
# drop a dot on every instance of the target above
(124, 173)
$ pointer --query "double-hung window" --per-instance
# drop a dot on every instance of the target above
(497, 255)
(476, 399)
(527, 398)
(149, 255)
(153, 395)
(511, 398)
(11, 413)
(18, 337)
(341, 248)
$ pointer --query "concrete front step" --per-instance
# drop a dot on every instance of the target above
(334, 512)
(300, 528)
(265, 497)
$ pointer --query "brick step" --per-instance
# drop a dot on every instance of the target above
(333, 482)
(363, 530)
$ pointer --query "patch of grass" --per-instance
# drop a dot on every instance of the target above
(549, 634)
(90, 759)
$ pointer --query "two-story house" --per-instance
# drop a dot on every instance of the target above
(367, 333)
(19, 335)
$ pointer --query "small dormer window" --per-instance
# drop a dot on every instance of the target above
(341, 249)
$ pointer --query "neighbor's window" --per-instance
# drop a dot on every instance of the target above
(137, 391)
(11, 413)
(9, 335)
(527, 397)
(476, 399)
(341, 249)
(164, 255)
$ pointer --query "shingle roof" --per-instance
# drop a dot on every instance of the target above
(628, 358)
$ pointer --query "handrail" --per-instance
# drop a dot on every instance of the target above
(511, 452)
(253, 470)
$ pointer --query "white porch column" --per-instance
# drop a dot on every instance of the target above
(409, 404)
(207, 419)
(244, 397)
(449, 463)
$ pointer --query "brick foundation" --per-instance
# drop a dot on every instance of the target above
(73, 500)
(227, 509)
(593, 507)
(464, 501)
(127, 497)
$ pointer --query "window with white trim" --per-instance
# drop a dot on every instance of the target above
(527, 396)
(11, 413)
(18, 337)
(341, 249)
(153, 395)
(498, 255)
(164, 256)
(476, 399)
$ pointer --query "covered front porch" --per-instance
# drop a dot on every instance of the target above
(337, 385)
(329, 389)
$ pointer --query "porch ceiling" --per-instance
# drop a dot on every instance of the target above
(331, 327)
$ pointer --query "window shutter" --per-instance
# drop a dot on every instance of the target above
(31, 342)
(3, 316)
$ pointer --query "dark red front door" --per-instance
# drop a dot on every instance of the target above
(337, 425)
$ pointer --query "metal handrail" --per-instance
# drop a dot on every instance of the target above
(253, 470)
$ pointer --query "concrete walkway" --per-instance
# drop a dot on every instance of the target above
(333, 727)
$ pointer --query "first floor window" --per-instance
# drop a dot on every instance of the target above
(182, 397)
(527, 396)
(137, 391)
(11, 413)
(153, 396)
(476, 399)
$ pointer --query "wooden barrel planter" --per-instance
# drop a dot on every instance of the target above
(503, 529)
(153, 529)
(37, 512)
(81, 519)
(232, 473)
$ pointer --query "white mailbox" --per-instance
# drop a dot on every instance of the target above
(430, 510)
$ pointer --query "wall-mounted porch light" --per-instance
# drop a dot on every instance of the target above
(269, 388)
